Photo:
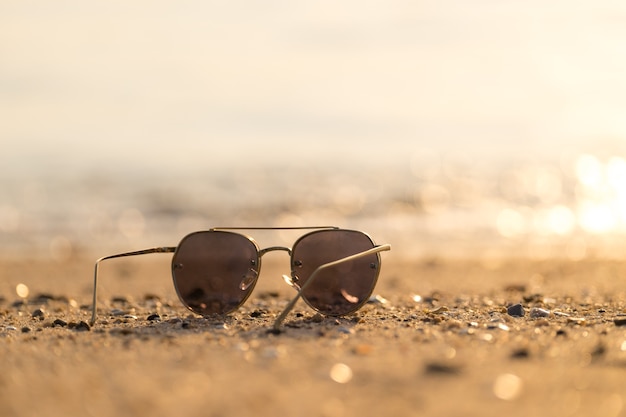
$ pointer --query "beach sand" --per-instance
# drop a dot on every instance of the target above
(437, 341)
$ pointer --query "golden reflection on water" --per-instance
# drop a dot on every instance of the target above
(571, 208)
(598, 205)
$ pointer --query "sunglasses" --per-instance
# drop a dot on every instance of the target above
(334, 270)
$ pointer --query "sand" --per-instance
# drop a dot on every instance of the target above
(437, 341)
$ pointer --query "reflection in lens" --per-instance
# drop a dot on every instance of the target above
(350, 298)
(248, 279)
(214, 272)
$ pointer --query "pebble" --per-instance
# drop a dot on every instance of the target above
(536, 312)
(11, 328)
(503, 327)
(516, 310)
(154, 317)
(345, 330)
(59, 322)
(40, 314)
(118, 312)
(620, 321)
(18, 303)
(439, 310)
(577, 320)
(317, 318)
(377, 299)
(442, 368)
(82, 327)
(26, 329)
(520, 353)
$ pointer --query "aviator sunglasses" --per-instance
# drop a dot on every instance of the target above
(214, 271)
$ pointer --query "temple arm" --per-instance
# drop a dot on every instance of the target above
(292, 303)
(168, 249)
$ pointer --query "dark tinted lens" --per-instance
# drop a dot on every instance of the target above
(215, 272)
(343, 288)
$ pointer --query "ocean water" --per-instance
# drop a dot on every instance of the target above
(444, 128)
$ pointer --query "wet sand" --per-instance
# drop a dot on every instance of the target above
(438, 340)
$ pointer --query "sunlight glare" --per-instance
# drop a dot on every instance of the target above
(511, 223)
(561, 220)
(589, 171)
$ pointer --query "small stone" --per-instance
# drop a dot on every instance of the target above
(536, 312)
(118, 312)
(516, 310)
(39, 314)
(26, 329)
(503, 327)
(154, 317)
(549, 300)
(345, 330)
(442, 368)
(82, 327)
(439, 310)
(515, 288)
(59, 322)
(496, 324)
(44, 298)
(599, 351)
(620, 321)
(377, 299)
(317, 318)
(10, 328)
(521, 353)
(453, 324)
(151, 297)
(577, 320)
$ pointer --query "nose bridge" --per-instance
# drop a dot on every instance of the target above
(274, 248)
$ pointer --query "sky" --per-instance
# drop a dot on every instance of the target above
(167, 84)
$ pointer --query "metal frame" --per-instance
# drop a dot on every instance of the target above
(261, 252)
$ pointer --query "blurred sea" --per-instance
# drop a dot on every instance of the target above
(445, 128)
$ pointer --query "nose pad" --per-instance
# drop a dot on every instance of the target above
(292, 282)
(248, 279)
